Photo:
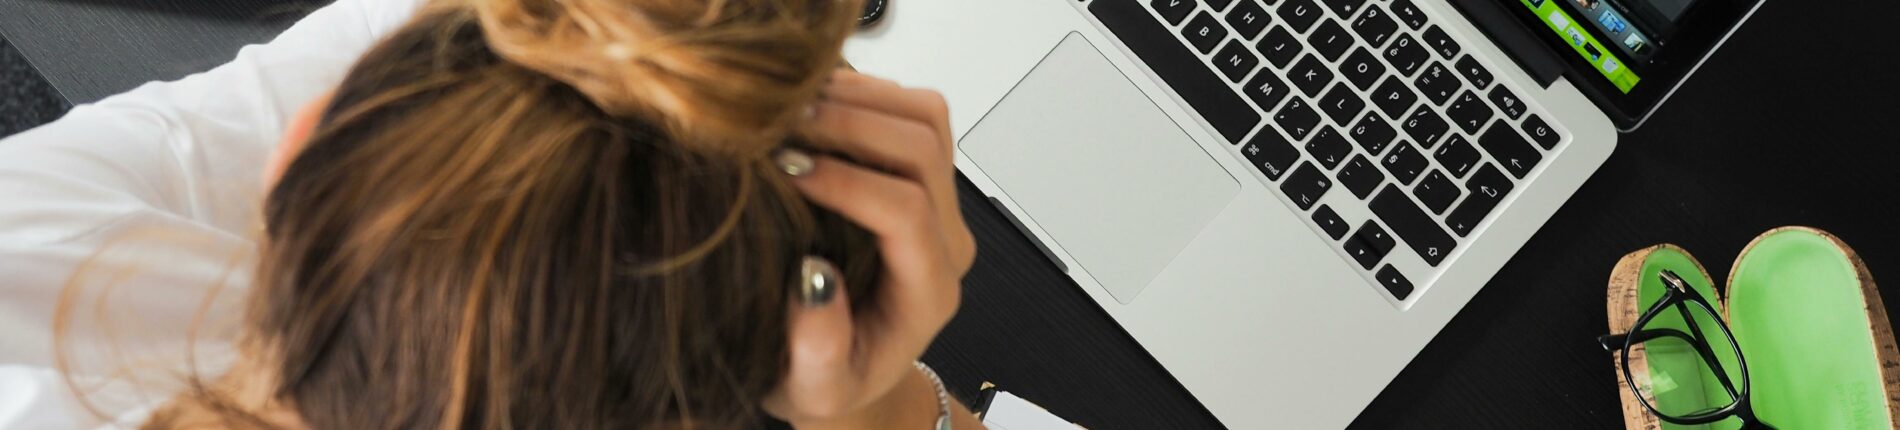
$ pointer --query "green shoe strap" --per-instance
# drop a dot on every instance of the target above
(1798, 309)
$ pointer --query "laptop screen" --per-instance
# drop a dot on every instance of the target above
(1636, 51)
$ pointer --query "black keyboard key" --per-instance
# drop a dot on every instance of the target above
(1510, 149)
(1342, 104)
(1469, 112)
(1248, 19)
(1218, 5)
(1280, 47)
(1375, 27)
(1373, 134)
(1173, 10)
(1394, 282)
(1328, 147)
(1439, 41)
(1311, 75)
(1438, 84)
(1270, 153)
(1330, 222)
(1426, 127)
(1298, 118)
(1507, 102)
(1330, 40)
(1479, 76)
(1393, 97)
(1406, 55)
(1488, 187)
(1361, 176)
(1412, 225)
(1437, 192)
(1542, 132)
(1306, 186)
(1179, 67)
(1408, 13)
(1266, 89)
(1236, 61)
(1345, 8)
(1204, 32)
(1458, 156)
(1362, 68)
(1300, 14)
(1405, 163)
(1369, 245)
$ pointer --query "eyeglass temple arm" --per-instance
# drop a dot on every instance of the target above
(1702, 347)
(1614, 342)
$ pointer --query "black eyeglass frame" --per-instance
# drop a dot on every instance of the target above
(1677, 294)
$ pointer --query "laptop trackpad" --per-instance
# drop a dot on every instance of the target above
(1098, 166)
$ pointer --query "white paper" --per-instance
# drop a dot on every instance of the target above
(1008, 412)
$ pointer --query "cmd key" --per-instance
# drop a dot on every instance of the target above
(1178, 66)
(1270, 153)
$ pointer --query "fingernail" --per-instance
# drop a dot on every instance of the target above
(811, 111)
(818, 281)
(793, 162)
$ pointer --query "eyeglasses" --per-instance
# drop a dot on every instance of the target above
(1692, 372)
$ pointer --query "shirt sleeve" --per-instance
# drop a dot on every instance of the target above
(155, 193)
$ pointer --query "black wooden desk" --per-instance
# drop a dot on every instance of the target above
(1794, 122)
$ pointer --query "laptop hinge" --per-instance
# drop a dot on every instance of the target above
(1510, 33)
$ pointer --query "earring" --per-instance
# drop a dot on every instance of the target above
(819, 281)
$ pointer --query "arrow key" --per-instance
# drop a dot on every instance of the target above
(1369, 245)
(1394, 282)
(1330, 222)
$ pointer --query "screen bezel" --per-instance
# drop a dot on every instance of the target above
(1702, 29)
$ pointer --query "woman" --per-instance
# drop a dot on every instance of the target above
(583, 213)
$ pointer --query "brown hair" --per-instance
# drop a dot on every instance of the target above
(544, 214)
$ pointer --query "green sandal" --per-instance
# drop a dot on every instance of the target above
(1789, 285)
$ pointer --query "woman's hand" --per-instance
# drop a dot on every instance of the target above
(854, 370)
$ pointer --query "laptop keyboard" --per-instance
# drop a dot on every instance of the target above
(1364, 114)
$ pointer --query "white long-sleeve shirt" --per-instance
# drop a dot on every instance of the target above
(155, 193)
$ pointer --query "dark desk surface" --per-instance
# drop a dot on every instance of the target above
(1792, 123)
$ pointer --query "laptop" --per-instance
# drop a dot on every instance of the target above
(1283, 201)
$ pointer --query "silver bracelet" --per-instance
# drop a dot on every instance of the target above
(943, 396)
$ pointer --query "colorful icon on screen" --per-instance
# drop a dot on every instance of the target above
(1610, 66)
(1612, 22)
(1636, 43)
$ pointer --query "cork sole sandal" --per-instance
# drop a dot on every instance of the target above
(1634, 286)
(1810, 320)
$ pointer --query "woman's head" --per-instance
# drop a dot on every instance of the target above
(546, 214)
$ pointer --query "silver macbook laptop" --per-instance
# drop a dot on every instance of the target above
(1284, 200)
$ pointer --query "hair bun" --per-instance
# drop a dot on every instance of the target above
(708, 71)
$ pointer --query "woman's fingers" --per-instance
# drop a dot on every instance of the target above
(902, 215)
(906, 131)
(878, 139)
(871, 92)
